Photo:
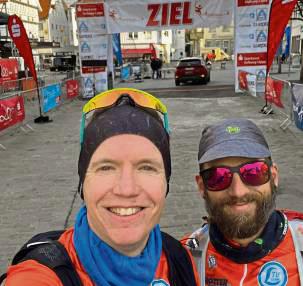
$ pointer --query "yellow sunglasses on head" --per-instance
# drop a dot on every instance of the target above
(109, 98)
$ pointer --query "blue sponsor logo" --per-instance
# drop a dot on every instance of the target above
(261, 36)
(83, 27)
(272, 274)
(159, 282)
(260, 75)
(85, 48)
(88, 83)
(261, 15)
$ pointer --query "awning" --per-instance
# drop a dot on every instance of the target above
(138, 52)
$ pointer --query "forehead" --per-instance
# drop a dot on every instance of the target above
(227, 161)
(125, 145)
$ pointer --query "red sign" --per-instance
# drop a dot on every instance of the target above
(242, 78)
(273, 92)
(242, 3)
(280, 13)
(90, 10)
(8, 73)
(11, 111)
(163, 14)
(251, 59)
(19, 36)
(72, 88)
(92, 70)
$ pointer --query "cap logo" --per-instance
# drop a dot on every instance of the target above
(233, 129)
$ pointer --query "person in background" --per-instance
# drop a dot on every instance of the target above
(245, 240)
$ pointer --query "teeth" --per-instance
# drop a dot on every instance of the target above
(124, 211)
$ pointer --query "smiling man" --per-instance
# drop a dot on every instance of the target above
(245, 240)
(124, 169)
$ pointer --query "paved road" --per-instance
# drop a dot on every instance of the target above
(39, 169)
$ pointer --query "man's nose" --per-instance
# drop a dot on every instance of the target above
(237, 188)
(127, 185)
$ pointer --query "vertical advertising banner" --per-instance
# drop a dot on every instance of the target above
(297, 105)
(51, 97)
(251, 32)
(11, 111)
(93, 45)
(8, 74)
(72, 88)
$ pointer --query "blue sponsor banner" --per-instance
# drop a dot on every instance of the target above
(117, 48)
(125, 72)
(51, 96)
(297, 105)
(288, 36)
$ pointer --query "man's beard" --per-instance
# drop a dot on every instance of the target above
(244, 225)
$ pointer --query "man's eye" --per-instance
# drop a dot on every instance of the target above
(105, 168)
(148, 168)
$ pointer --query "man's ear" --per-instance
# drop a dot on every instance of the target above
(275, 174)
(200, 185)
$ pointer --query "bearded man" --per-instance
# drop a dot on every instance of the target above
(245, 241)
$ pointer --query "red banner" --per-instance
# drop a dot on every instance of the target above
(251, 59)
(18, 34)
(242, 78)
(274, 92)
(72, 88)
(11, 111)
(9, 73)
(242, 3)
(90, 10)
(279, 16)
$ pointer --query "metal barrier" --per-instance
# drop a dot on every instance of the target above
(285, 109)
(280, 96)
(31, 104)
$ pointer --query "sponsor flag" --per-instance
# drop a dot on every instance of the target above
(274, 92)
(11, 111)
(18, 34)
(279, 16)
(117, 48)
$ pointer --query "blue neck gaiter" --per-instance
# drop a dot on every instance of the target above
(107, 267)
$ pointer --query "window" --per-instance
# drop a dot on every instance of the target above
(148, 35)
(225, 29)
(133, 35)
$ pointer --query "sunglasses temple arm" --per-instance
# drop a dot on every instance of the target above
(82, 126)
(166, 124)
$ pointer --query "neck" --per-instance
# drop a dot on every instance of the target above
(243, 242)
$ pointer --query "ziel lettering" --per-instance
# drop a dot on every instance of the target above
(165, 14)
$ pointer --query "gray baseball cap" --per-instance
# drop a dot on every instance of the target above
(237, 137)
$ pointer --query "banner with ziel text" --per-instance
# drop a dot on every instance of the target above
(137, 15)
(11, 111)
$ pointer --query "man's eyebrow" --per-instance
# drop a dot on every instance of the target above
(150, 161)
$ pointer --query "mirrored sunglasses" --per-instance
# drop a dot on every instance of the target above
(254, 173)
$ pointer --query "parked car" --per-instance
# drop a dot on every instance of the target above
(192, 69)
